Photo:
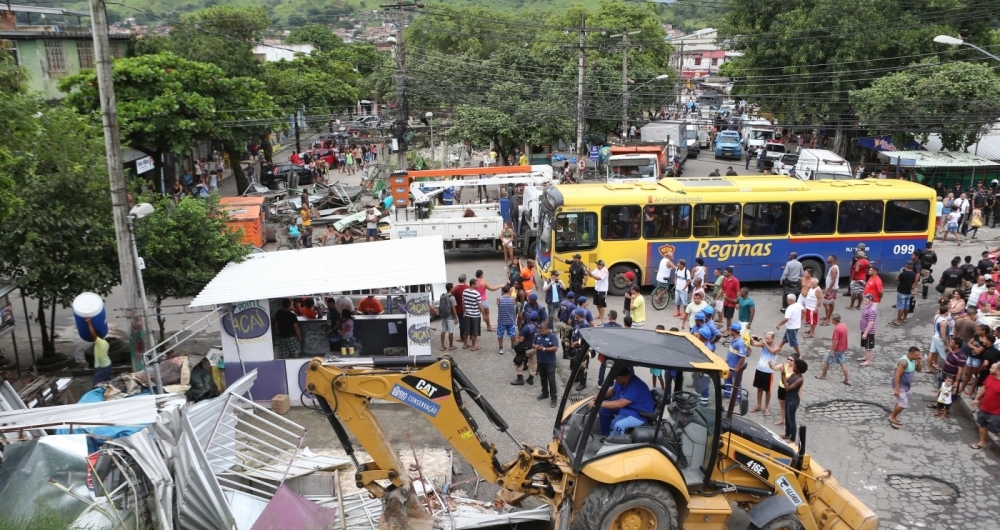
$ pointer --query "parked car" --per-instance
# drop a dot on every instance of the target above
(324, 153)
(728, 145)
(370, 121)
(271, 176)
(704, 140)
(786, 162)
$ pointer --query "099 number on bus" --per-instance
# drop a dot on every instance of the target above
(903, 249)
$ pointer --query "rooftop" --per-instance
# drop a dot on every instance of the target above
(938, 159)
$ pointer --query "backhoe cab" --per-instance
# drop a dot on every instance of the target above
(680, 469)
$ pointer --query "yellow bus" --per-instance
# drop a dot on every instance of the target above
(749, 223)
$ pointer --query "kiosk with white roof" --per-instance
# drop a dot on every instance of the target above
(406, 275)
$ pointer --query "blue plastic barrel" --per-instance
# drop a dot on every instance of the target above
(89, 305)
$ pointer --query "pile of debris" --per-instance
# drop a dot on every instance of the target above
(158, 461)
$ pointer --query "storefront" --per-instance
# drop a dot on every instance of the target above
(406, 276)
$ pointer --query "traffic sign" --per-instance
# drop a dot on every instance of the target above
(595, 152)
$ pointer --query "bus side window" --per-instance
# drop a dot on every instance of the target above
(666, 222)
(620, 222)
(575, 231)
(860, 217)
(717, 220)
(814, 217)
(907, 216)
(765, 219)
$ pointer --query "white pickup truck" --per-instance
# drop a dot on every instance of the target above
(479, 232)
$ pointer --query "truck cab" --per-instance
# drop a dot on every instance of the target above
(728, 145)
(821, 164)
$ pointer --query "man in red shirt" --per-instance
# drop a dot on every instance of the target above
(859, 275)
(370, 306)
(838, 349)
(459, 305)
(730, 293)
(988, 401)
(874, 285)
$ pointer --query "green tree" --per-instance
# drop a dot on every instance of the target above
(184, 245)
(802, 58)
(221, 35)
(167, 103)
(12, 79)
(958, 100)
(318, 35)
(58, 240)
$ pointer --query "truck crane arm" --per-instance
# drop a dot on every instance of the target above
(435, 388)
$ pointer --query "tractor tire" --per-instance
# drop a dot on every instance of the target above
(785, 522)
(634, 505)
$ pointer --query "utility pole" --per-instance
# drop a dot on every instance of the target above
(127, 264)
(402, 101)
(580, 121)
(625, 47)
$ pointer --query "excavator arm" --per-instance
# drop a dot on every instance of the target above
(437, 390)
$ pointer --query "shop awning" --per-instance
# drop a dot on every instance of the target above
(288, 273)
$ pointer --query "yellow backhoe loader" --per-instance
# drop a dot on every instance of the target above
(681, 469)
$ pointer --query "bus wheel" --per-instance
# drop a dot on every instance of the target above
(618, 281)
(816, 266)
(635, 505)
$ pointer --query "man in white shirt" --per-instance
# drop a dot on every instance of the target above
(792, 323)
(600, 276)
(371, 226)
(696, 305)
(961, 205)
(682, 282)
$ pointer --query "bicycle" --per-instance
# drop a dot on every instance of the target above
(662, 295)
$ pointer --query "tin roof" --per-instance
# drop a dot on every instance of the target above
(393, 263)
(938, 159)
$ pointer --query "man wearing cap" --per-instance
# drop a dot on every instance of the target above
(859, 277)
(792, 323)
(601, 285)
(630, 278)
(554, 289)
(951, 278)
(564, 318)
(525, 341)
(533, 305)
(546, 344)
(577, 272)
(904, 292)
(791, 278)
(581, 303)
(622, 404)
(736, 358)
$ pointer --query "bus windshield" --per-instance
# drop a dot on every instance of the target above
(761, 134)
(631, 168)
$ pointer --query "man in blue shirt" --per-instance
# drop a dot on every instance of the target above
(736, 359)
(448, 196)
(505, 319)
(546, 344)
(565, 325)
(533, 305)
(527, 338)
(625, 400)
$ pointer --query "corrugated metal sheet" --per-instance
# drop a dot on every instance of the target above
(144, 450)
(136, 410)
(939, 159)
(201, 505)
(987, 147)
(398, 262)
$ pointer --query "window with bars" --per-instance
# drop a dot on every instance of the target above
(56, 58)
(117, 50)
(85, 49)
(10, 47)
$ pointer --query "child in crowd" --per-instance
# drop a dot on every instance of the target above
(944, 397)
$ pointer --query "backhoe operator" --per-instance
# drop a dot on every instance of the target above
(625, 400)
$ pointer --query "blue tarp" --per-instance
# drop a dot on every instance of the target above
(98, 434)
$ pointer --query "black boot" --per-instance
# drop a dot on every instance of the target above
(581, 386)
(542, 396)
(518, 382)
(531, 379)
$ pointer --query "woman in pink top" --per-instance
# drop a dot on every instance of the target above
(990, 300)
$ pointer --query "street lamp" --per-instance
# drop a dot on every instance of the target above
(138, 212)
(430, 117)
(955, 41)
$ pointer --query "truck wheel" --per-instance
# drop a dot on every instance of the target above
(618, 282)
(785, 522)
(635, 505)
(816, 266)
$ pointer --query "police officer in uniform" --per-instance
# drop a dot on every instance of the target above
(577, 273)
(951, 278)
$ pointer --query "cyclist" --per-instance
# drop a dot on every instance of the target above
(664, 275)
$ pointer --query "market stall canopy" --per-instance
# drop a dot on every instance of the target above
(940, 159)
(289, 273)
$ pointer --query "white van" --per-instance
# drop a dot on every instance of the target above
(820, 164)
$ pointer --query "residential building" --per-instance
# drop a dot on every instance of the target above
(697, 54)
(279, 51)
(48, 52)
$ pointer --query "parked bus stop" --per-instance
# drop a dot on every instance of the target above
(405, 275)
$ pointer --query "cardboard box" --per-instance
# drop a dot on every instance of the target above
(280, 404)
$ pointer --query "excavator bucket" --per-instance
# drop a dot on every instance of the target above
(402, 511)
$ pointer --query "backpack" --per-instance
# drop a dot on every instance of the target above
(444, 305)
